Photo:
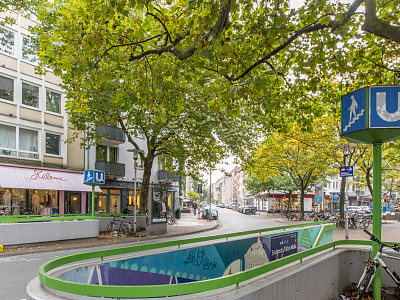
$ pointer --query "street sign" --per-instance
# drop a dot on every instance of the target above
(346, 171)
(94, 177)
(371, 115)
(353, 111)
(335, 196)
(385, 107)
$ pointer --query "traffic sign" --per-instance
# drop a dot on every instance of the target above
(371, 115)
(346, 171)
(94, 177)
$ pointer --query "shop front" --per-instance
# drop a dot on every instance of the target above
(39, 191)
(119, 197)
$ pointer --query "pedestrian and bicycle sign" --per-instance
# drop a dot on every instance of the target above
(346, 171)
(94, 177)
(371, 114)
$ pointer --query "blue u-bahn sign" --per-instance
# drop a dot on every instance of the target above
(94, 177)
(371, 114)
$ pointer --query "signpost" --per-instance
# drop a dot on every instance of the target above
(371, 115)
(346, 171)
(94, 178)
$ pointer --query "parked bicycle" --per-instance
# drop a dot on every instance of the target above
(373, 265)
(171, 218)
(119, 227)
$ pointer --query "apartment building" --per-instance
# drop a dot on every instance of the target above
(39, 172)
(112, 156)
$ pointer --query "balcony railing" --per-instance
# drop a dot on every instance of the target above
(111, 133)
(111, 169)
(167, 176)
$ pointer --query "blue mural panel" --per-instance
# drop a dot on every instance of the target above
(201, 263)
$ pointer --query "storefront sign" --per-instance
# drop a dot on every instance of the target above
(38, 178)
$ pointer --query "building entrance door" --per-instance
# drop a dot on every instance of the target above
(72, 203)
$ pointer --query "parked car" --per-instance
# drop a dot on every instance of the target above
(240, 208)
(222, 205)
(249, 210)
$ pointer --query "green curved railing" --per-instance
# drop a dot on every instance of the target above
(176, 289)
(57, 217)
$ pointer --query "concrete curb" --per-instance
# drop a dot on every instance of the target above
(97, 244)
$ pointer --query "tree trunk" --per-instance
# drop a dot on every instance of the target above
(302, 201)
(144, 192)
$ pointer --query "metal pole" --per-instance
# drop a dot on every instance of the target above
(134, 209)
(93, 200)
(377, 219)
(209, 215)
(346, 199)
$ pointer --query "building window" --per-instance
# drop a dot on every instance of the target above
(53, 144)
(28, 143)
(53, 101)
(7, 41)
(104, 153)
(28, 52)
(101, 153)
(112, 157)
(8, 140)
(30, 95)
(6, 89)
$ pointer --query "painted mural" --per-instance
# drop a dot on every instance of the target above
(200, 263)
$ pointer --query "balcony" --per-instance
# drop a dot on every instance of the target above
(167, 176)
(112, 170)
(111, 135)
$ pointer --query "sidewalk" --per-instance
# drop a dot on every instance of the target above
(187, 224)
(390, 231)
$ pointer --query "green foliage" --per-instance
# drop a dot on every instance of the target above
(193, 195)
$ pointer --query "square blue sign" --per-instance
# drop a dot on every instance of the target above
(354, 111)
(384, 107)
(94, 177)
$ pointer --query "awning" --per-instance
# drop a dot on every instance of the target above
(19, 177)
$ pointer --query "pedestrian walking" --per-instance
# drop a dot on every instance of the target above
(194, 208)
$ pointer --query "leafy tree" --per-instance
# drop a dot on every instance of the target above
(283, 63)
(302, 156)
(193, 196)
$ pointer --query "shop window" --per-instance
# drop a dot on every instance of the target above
(53, 101)
(53, 144)
(131, 202)
(7, 41)
(28, 143)
(8, 140)
(102, 203)
(12, 201)
(28, 52)
(6, 88)
(30, 95)
(115, 201)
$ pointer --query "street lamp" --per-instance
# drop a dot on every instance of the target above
(136, 154)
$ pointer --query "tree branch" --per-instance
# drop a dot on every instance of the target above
(373, 25)
(214, 32)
